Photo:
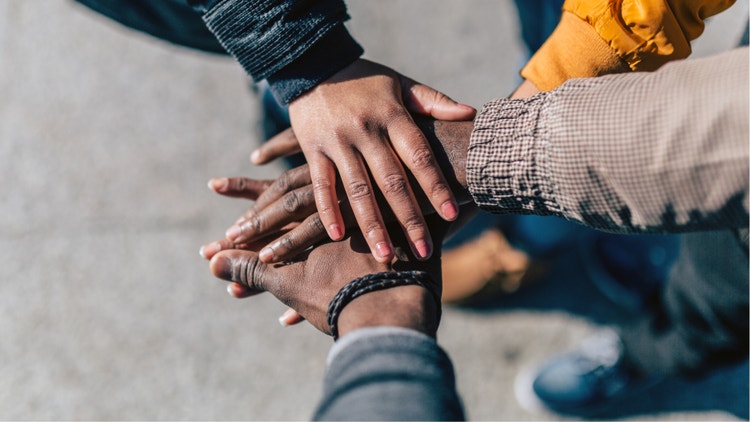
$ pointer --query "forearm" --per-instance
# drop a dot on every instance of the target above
(295, 45)
(597, 38)
(367, 378)
(664, 151)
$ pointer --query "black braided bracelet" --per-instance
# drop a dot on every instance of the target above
(372, 283)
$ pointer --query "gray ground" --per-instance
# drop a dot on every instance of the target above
(106, 309)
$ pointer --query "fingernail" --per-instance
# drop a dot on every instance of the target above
(230, 290)
(284, 318)
(255, 156)
(335, 231)
(207, 251)
(218, 185)
(233, 232)
(466, 106)
(383, 249)
(423, 249)
(450, 211)
(266, 255)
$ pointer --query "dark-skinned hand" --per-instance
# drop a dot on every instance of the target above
(309, 282)
(290, 198)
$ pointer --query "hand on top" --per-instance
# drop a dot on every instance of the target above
(356, 132)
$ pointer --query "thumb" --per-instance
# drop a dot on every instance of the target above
(422, 99)
(244, 267)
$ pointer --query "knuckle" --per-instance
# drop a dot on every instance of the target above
(422, 158)
(283, 182)
(307, 196)
(372, 228)
(316, 225)
(414, 223)
(252, 226)
(363, 125)
(439, 189)
(321, 183)
(395, 184)
(393, 112)
(358, 189)
(245, 271)
(438, 97)
(286, 244)
(236, 183)
(291, 202)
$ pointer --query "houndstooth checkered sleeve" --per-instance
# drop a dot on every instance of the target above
(644, 152)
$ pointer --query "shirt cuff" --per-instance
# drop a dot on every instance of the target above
(574, 50)
(329, 55)
(266, 37)
(369, 333)
(506, 168)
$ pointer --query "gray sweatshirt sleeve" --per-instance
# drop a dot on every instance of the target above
(389, 373)
(644, 152)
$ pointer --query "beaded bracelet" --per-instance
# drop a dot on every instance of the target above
(372, 283)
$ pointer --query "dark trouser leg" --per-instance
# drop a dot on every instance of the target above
(703, 322)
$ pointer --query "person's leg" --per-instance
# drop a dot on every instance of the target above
(470, 274)
(703, 322)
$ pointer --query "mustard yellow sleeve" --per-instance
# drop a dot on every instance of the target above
(597, 37)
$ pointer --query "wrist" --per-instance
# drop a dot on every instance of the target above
(410, 307)
(450, 144)
(329, 55)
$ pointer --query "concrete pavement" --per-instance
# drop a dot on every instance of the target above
(107, 139)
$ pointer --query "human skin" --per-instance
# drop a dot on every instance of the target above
(290, 199)
(286, 202)
(357, 134)
(308, 283)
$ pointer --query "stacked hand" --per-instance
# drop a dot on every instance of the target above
(359, 138)
(284, 215)
(290, 198)
(308, 282)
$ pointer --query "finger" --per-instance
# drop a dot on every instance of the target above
(290, 317)
(411, 145)
(323, 179)
(364, 205)
(240, 291)
(239, 187)
(424, 100)
(208, 250)
(293, 206)
(308, 233)
(282, 145)
(245, 268)
(288, 181)
(392, 181)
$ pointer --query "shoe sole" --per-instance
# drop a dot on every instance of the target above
(528, 400)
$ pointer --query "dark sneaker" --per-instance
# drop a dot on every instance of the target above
(584, 382)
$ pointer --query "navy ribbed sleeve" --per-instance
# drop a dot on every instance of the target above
(269, 37)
